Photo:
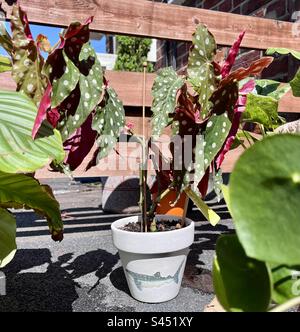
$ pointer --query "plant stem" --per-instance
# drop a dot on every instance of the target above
(287, 305)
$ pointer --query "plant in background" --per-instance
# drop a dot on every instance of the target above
(132, 53)
(62, 107)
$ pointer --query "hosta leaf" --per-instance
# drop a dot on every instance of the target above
(18, 151)
(295, 84)
(283, 51)
(63, 86)
(5, 39)
(164, 92)
(90, 89)
(5, 64)
(262, 110)
(241, 283)
(265, 186)
(27, 61)
(8, 244)
(280, 92)
(217, 130)
(200, 68)
(286, 282)
(108, 121)
(18, 190)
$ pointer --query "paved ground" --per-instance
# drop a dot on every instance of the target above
(83, 272)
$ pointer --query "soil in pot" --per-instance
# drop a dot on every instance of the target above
(161, 226)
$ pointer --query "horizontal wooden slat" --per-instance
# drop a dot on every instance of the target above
(129, 88)
(127, 84)
(158, 20)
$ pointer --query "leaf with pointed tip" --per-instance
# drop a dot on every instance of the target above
(90, 89)
(295, 84)
(208, 213)
(21, 191)
(283, 51)
(217, 130)
(253, 70)
(27, 61)
(8, 244)
(108, 121)
(200, 69)
(18, 151)
(5, 39)
(265, 87)
(164, 92)
(233, 52)
(5, 64)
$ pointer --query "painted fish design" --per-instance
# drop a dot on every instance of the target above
(149, 281)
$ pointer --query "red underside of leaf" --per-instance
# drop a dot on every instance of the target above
(80, 144)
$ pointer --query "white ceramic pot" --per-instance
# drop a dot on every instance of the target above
(153, 263)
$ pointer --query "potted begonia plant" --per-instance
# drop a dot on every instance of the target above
(202, 109)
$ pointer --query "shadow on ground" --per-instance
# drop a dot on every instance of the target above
(55, 289)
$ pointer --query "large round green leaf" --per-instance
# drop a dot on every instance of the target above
(7, 237)
(241, 283)
(18, 151)
(265, 196)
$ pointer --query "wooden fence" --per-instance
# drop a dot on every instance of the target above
(161, 21)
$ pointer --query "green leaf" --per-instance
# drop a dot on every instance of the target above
(286, 282)
(199, 170)
(64, 85)
(90, 85)
(27, 61)
(283, 51)
(241, 283)
(295, 84)
(18, 151)
(5, 64)
(5, 39)
(265, 87)
(200, 68)
(264, 199)
(272, 88)
(108, 122)
(208, 213)
(217, 131)
(218, 182)
(21, 191)
(8, 244)
(164, 92)
(262, 110)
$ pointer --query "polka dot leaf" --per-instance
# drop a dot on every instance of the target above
(217, 130)
(164, 93)
(27, 60)
(200, 67)
(108, 121)
(64, 85)
(89, 89)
